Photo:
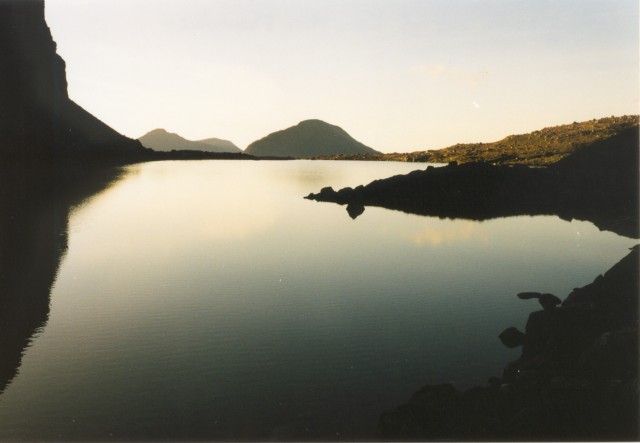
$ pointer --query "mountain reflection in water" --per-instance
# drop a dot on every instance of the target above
(34, 217)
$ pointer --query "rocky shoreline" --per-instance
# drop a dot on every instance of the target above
(577, 377)
(599, 184)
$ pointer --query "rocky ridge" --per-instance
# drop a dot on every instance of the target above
(538, 148)
(598, 183)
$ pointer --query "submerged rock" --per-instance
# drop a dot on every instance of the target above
(355, 210)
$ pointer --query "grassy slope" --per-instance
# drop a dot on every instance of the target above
(537, 148)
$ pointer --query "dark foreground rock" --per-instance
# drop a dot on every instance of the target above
(599, 183)
(577, 377)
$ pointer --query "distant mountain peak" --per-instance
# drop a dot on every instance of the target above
(309, 138)
(160, 139)
(313, 121)
(158, 131)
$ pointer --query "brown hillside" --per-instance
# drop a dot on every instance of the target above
(537, 148)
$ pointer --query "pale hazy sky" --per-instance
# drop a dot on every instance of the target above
(398, 75)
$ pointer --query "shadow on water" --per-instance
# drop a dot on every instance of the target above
(34, 215)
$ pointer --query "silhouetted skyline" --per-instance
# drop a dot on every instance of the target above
(397, 75)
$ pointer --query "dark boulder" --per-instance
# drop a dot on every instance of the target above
(355, 210)
(512, 337)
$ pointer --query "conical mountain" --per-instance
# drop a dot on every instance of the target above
(162, 140)
(309, 138)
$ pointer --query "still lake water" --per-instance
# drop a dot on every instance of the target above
(209, 300)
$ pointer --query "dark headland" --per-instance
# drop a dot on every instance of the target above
(597, 183)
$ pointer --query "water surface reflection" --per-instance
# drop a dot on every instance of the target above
(33, 240)
(208, 300)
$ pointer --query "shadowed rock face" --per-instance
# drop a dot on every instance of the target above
(39, 121)
(577, 377)
(52, 155)
(41, 129)
(598, 184)
(308, 138)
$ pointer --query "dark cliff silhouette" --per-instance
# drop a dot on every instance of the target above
(598, 183)
(40, 124)
(52, 154)
(308, 138)
(576, 380)
(161, 140)
(42, 131)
